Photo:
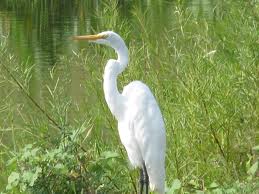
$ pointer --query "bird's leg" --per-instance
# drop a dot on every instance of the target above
(146, 178)
(141, 181)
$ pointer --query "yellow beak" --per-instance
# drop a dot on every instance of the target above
(89, 37)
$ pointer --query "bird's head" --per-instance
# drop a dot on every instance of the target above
(108, 38)
(111, 39)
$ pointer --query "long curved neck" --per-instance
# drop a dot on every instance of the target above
(123, 56)
(113, 68)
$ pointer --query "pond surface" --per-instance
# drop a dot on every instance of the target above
(39, 32)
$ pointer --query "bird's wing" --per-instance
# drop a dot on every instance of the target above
(149, 131)
(150, 135)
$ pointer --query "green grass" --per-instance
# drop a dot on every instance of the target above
(205, 78)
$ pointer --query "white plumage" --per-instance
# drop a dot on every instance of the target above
(142, 132)
(140, 122)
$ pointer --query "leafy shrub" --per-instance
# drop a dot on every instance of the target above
(66, 168)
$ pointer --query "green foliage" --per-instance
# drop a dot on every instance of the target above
(67, 168)
(204, 75)
(176, 185)
(252, 170)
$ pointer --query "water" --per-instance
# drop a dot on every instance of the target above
(39, 32)
(41, 29)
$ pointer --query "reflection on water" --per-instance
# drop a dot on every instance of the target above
(40, 31)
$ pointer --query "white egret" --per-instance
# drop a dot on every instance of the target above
(140, 122)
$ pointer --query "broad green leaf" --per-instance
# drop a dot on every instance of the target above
(11, 161)
(253, 168)
(110, 154)
(35, 176)
(175, 186)
(256, 148)
(13, 180)
(28, 146)
(213, 185)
